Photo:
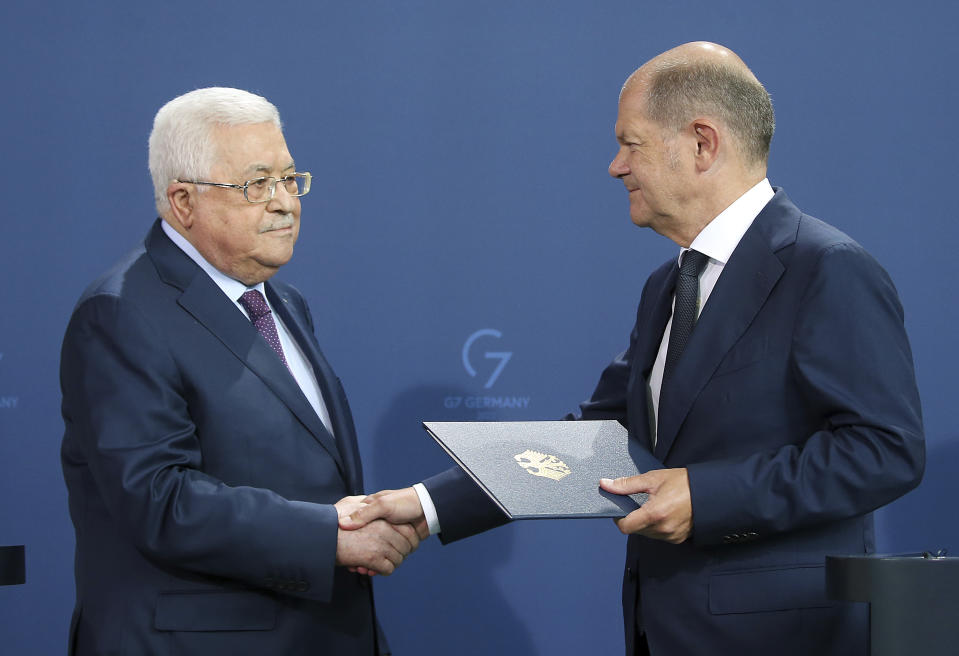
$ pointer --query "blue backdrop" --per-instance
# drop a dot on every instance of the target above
(459, 151)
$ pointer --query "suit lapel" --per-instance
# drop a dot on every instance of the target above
(211, 308)
(333, 397)
(741, 291)
(654, 327)
(651, 325)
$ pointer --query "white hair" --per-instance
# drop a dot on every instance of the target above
(182, 144)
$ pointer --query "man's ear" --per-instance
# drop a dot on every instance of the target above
(708, 141)
(181, 198)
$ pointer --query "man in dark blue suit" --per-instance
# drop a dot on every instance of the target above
(774, 382)
(209, 447)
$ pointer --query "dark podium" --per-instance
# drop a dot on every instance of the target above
(914, 600)
(12, 566)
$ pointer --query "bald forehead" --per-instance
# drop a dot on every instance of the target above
(701, 51)
(696, 52)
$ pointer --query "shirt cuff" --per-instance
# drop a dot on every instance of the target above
(429, 510)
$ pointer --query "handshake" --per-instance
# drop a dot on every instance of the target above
(377, 532)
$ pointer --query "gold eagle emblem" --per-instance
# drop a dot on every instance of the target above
(542, 464)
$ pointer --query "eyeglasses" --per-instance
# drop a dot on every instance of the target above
(262, 190)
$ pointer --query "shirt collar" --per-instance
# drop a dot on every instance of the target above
(720, 237)
(232, 287)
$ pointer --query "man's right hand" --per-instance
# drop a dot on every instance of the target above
(377, 548)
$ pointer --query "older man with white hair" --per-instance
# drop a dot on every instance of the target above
(209, 447)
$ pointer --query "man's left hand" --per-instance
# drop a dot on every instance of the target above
(667, 515)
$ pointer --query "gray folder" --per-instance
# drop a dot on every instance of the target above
(547, 469)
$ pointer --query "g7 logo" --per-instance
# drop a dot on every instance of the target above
(502, 356)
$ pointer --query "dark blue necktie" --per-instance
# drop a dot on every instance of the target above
(684, 311)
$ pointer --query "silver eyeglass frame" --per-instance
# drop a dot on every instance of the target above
(305, 175)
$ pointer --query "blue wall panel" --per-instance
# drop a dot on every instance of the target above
(459, 152)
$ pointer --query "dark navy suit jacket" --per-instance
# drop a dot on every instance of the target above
(200, 478)
(795, 409)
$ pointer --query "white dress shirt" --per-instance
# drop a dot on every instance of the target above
(717, 240)
(299, 364)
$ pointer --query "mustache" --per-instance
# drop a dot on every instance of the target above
(278, 223)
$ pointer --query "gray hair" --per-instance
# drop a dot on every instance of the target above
(679, 91)
(181, 143)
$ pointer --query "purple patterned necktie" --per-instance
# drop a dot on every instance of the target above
(261, 317)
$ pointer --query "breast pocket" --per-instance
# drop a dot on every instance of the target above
(743, 355)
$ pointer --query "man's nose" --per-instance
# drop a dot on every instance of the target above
(618, 168)
(282, 201)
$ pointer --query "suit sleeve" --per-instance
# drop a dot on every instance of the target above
(851, 362)
(128, 422)
(463, 509)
